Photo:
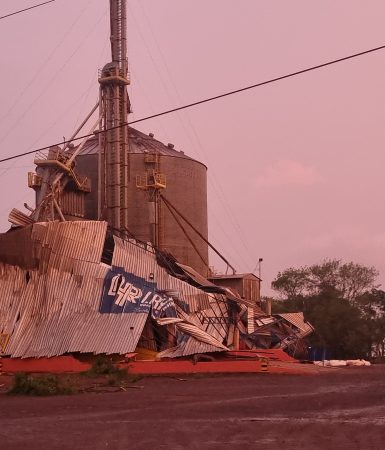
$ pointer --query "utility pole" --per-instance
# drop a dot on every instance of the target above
(260, 260)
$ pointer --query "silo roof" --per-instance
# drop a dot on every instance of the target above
(139, 143)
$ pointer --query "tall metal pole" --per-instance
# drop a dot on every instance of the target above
(260, 260)
(115, 105)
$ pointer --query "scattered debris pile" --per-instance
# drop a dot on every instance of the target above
(76, 287)
(286, 331)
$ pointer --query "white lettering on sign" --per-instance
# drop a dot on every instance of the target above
(127, 292)
(114, 284)
(124, 291)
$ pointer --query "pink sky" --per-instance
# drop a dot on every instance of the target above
(295, 168)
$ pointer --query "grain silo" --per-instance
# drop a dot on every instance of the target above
(185, 189)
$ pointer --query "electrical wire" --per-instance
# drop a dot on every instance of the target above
(194, 137)
(26, 9)
(207, 100)
(180, 116)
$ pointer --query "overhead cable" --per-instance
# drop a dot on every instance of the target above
(25, 9)
(206, 100)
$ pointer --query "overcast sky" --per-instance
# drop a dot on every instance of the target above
(295, 168)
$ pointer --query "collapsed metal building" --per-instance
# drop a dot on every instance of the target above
(113, 258)
(58, 296)
(74, 286)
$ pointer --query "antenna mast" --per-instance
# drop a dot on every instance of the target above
(114, 108)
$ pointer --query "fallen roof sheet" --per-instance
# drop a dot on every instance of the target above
(298, 320)
(199, 279)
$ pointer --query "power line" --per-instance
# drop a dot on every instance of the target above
(192, 135)
(26, 9)
(206, 100)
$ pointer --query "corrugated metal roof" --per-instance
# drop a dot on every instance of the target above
(298, 320)
(190, 347)
(138, 143)
(198, 278)
(53, 244)
(13, 283)
(86, 332)
(80, 240)
(199, 335)
(19, 218)
(237, 276)
(262, 321)
(141, 260)
(136, 258)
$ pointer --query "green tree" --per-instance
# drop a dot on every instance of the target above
(372, 306)
(339, 325)
(351, 280)
(292, 283)
(341, 301)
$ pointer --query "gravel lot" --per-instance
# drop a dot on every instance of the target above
(337, 409)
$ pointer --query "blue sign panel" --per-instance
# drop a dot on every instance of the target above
(124, 292)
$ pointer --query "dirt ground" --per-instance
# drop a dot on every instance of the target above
(337, 409)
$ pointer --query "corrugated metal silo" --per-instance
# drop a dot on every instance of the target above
(186, 190)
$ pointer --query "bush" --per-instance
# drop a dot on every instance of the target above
(104, 366)
(39, 385)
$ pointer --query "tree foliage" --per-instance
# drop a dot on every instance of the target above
(372, 307)
(340, 326)
(341, 301)
(350, 280)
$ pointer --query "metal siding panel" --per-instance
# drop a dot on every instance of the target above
(297, 319)
(58, 306)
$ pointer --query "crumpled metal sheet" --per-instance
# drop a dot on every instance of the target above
(59, 314)
(191, 346)
(141, 260)
(199, 335)
(87, 333)
(214, 319)
(53, 244)
(17, 217)
(135, 258)
(298, 320)
(81, 240)
(52, 307)
(13, 283)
